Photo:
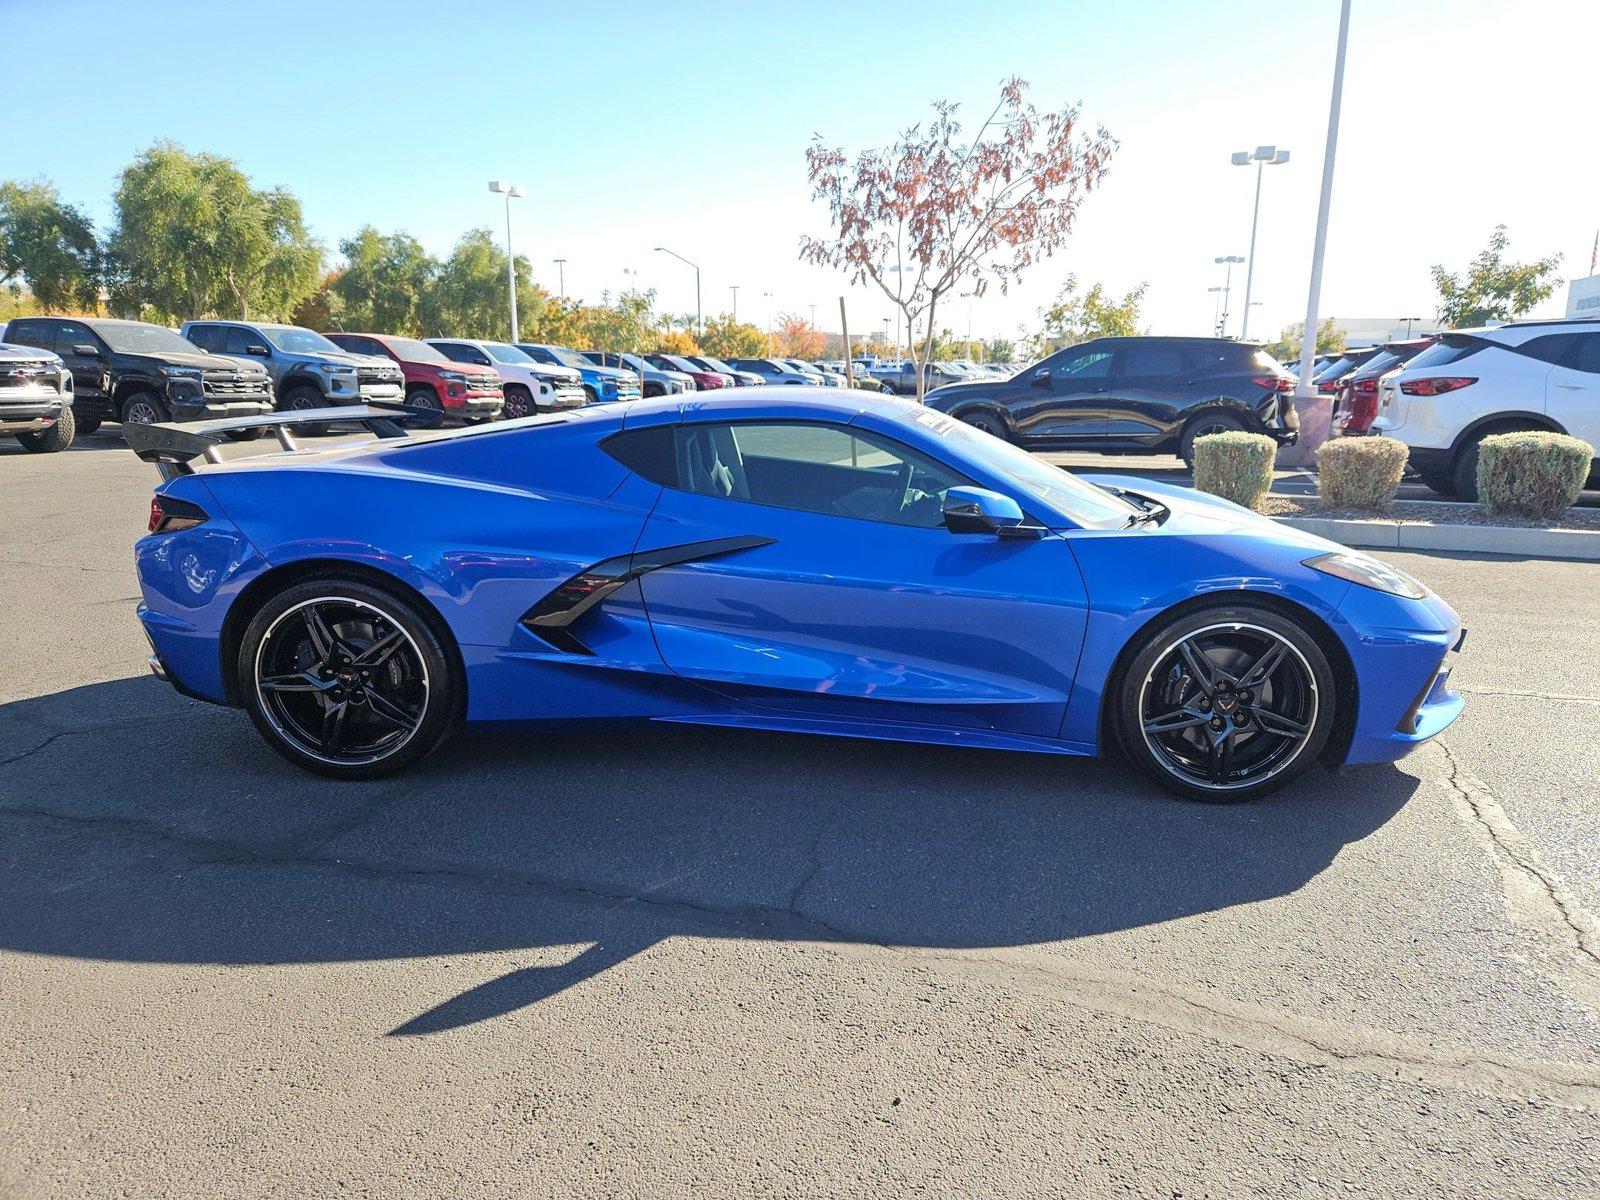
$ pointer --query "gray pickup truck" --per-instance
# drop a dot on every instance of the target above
(308, 371)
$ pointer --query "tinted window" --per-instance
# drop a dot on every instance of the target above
(41, 334)
(239, 341)
(1152, 360)
(1081, 364)
(71, 334)
(1550, 348)
(1584, 353)
(1448, 349)
(207, 337)
(815, 468)
(647, 452)
(358, 345)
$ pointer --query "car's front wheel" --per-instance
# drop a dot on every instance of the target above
(1226, 704)
(518, 403)
(48, 441)
(304, 398)
(144, 408)
(423, 396)
(347, 679)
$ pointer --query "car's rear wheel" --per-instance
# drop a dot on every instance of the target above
(347, 679)
(49, 441)
(425, 397)
(1440, 483)
(85, 425)
(518, 402)
(1464, 472)
(987, 422)
(1226, 704)
(1202, 426)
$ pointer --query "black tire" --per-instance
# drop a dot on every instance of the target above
(518, 403)
(243, 435)
(594, 396)
(303, 397)
(1212, 422)
(653, 390)
(318, 679)
(1464, 469)
(86, 425)
(423, 396)
(49, 441)
(987, 422)
(1439, 484)
(144, 408)
(1233, 737)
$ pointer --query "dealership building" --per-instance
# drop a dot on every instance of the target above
(1583, 297)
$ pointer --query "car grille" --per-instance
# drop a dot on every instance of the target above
(21, 375)
(378, 377)
(483, 383)
(234, 383)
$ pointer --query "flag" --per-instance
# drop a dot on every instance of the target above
(1595, 253)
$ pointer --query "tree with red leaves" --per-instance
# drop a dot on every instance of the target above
(935, 212)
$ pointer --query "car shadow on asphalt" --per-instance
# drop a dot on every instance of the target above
(144, 827)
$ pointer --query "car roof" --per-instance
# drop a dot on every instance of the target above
(798, 402)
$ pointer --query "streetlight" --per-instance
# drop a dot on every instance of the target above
(767, 296)
(1262, 156)
(699, 326)
(1216, 321)
(635, 273)
(734, 288)
(511, 192)
(967, 296)
(1227, 289)
(1410, 321)
(561, 276)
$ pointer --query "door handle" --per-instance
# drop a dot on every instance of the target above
(1572, 387)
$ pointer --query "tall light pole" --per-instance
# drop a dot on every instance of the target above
(511, 192)
(561, 276)
(1216, 321)
(767, 296)
(1262, 156)
(1227, 289)
(1305, 397)
(699, 325)
(967, 296)
(734, 288)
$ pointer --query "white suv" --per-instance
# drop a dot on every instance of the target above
(1474, 382)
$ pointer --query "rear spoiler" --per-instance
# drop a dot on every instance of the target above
(173, 447)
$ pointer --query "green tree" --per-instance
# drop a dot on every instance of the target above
(323, 309)
(1076, 318)
(726, 338)
(385, 281)
(627, 323)
(194, 239)
(1330, 340)
(999, 349)
(49, 245)
(1493, 289)
(469, 297)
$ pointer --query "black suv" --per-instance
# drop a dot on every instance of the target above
(1132, 395)
(134, 372)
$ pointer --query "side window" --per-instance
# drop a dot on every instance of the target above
(1082, 364)
(1147, 360)
(70, 335)
(650, 452)
(207, 337)
(1584, 353)
(1551, 348)
(40, 334)
(824, 469)
(239, 341)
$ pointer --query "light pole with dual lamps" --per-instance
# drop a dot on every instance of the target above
(1262, 156)
(1227, 260)
(511, 192)
(561, 276)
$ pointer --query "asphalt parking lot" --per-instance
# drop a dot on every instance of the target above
(710, 962)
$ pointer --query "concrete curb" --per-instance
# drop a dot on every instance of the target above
(1581, 545)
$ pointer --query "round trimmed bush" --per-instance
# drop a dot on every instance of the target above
(1236, 466)
(1533, 473)
(1360, 472)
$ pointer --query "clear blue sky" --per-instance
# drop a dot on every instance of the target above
(685, 124)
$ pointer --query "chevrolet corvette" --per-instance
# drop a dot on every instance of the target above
(828, 562)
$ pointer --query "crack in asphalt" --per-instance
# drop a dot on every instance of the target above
(1124, 995)
(1514, 693)
(32, 750)
(1534, 895)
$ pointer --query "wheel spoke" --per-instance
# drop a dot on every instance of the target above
(1261, 670)
(300, 681)
(333, 725)
(1222, 755)
(1277, 724)
(381, 650)
(391, 712)
(322, 638)
(1203, 670)
(1178, 718)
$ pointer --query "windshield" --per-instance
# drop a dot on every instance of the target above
(411, 350)
(137, 338)
(714, 364)
(503, 353)
(569, 357)
(292, 339)
(1090, 506)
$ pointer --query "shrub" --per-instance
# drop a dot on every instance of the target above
(1236, 466)
(1532, 474)
(1360, 472)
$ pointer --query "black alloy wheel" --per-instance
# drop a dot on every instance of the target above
(347, 680)
(144, 408)
(1227, 704)
(1203, 426)
(518, 403)
(987, 422)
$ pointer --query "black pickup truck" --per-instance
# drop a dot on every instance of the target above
(138, 373)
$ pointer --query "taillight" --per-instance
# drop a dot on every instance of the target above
(168, 514)
(1275, 383)
(1328, 387)
(1436, 386)
(1363, 404)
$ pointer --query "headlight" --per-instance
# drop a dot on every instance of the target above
(452, 376)
(181, 372)
(335, 369)
(1368, 572)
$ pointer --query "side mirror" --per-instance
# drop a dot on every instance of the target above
(87, 350)
(978, 510)
(1041, 378)
(257, 349)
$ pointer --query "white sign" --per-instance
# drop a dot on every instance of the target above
(1583, 297)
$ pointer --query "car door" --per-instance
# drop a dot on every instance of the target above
(1065, 404)
(844, 598)
(1572, 389)
(1147, 393)
(85, 355)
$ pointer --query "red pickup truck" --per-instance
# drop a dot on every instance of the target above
(456, 390)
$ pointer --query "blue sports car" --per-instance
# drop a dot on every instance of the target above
(828, 562)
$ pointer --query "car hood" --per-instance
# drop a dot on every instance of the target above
(617, 373)
(354, 360)
(1194, 513)
(201, 359)
(550, 371)
(11, 353)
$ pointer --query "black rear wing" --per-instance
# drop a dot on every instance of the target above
(173, 447)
